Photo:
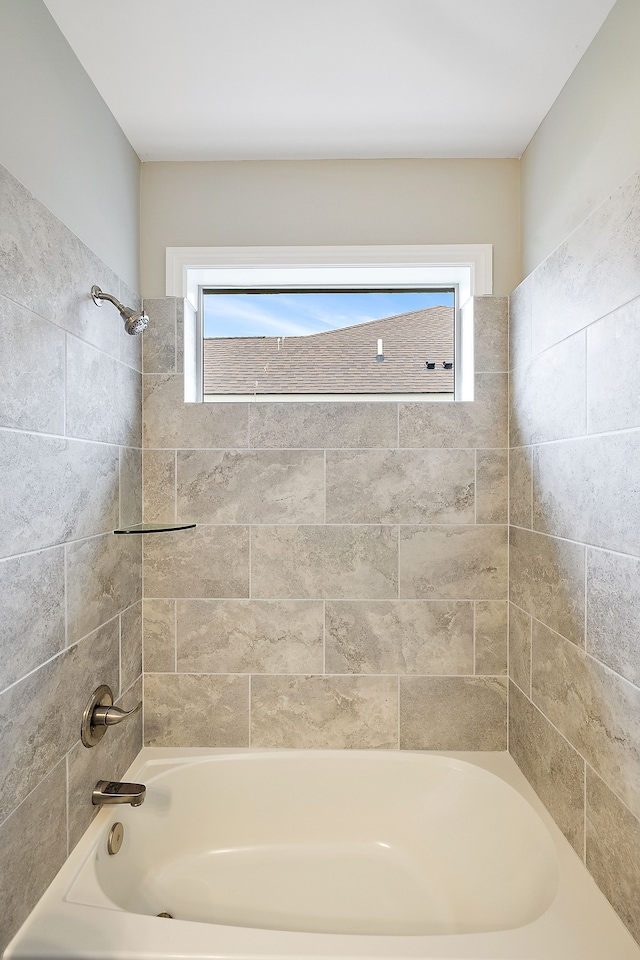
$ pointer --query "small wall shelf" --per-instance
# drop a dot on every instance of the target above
(155, 527)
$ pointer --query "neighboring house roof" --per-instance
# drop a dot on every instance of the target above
(338, 361)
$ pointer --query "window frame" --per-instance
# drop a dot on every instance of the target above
(466, 268)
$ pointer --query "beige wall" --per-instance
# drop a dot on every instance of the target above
(58, 137)
(589, 141)
(319, 202)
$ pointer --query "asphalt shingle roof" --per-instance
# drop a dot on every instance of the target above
(338, 361)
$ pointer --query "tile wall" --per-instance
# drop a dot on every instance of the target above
(574, 636)
(70, 591)
(346, 584)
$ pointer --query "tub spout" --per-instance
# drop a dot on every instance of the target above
(109, 791)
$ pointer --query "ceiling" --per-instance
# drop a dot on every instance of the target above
(289, 79)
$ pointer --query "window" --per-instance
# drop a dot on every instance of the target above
(281, 324)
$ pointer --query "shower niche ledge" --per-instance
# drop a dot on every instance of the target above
(154, 528)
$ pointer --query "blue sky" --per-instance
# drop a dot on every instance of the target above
(297, 314)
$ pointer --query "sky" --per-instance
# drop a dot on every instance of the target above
(298, 314)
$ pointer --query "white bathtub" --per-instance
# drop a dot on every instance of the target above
(291, 854)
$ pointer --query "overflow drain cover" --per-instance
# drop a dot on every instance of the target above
(167, 915)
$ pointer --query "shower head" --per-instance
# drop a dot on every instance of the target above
(134, 321)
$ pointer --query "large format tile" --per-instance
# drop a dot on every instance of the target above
(491, 333)
(32, 609)
(455, 562)
(399, 636)
(201, 562)
(182, 710)
(520, 487)
(492, 486)
(32, 374)
(594, 271)
(490, 637)
(250, 486)
(324, 712)
(159, 635)
(453, 713)
(159, 493)
(40, 716)
(520, 324)
(313, 425)
(341, 562)
(130, 646)
(33, 847)
(613, 851)
(552, 767)
(169, 422)
(613, 611)
(400, 486)
(587, 490)
(547, 580)
(613, 360)
(481, 422)
(594, 708)
(159, 343)
(108, 760)
(104, 397)
(103, 578)
(520, 648)
(250, 636)
(55, 490)
(130, 486)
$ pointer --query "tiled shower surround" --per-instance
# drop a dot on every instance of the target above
(346, 584)
(574, 637)
(70, 591)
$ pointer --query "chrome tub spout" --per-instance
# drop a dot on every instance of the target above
(110, 791)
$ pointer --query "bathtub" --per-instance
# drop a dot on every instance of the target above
(336, 854)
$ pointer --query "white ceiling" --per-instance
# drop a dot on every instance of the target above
(284, 79)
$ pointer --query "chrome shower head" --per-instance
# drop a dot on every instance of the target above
(134, 321)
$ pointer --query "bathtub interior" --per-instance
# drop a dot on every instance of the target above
(326, 842)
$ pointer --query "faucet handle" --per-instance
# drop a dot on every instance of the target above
(109, 715)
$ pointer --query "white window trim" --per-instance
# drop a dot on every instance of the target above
(468, 267)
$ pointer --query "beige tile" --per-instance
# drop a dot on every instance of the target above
(492, 486)
(108, 760)
(547, 581)
(40, 716)
(169, 422)
(159, 341)
(552, 767)
(182, 710)
(453, 563)
(520, 324)
(201, 562)
(32, 612)
(520, 648)
(312, 425)
(587, 490)
(250, 636)
(45, 490)
(159, 635)
(613, 360)
(399, 636)
(481, 422)
(250, 486)
(613, 611)
(491, 333)
(453, 713)
(594, 708)
(520, 487)
(130, 646)
(613, 851)
(342, 562)
(159, 496)
(491, 637)
(324, 712)
(103, 578)
(33, 847)
(103, 397)
(400, 486)
(32, 382)
(548, 396)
